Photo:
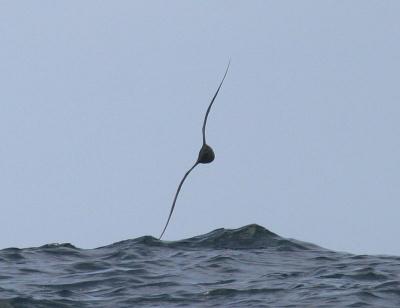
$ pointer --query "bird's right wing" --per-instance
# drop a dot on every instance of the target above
(176, 196)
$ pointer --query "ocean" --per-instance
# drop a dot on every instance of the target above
(245, 267)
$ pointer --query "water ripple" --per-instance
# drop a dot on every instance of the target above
(246, 267)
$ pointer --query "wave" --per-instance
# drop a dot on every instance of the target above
(248, 237)
(249, 266)
(252, 236)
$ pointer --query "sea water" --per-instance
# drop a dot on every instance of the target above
(245, 267)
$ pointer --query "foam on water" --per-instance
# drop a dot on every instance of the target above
(245, 267)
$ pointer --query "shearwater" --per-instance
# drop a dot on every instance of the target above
(206, 154)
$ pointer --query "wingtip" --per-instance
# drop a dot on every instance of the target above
(162, 233)
(227, 69)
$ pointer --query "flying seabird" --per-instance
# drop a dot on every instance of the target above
(206, 154)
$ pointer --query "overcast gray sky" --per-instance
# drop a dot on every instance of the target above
(102, 102)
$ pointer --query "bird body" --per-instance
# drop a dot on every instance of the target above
(206, 154)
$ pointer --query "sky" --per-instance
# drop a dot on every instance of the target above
(102, 103)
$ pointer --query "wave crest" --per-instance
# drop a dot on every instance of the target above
(248, 237)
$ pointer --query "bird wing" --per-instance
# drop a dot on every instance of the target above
(176, 196)
(212, 101)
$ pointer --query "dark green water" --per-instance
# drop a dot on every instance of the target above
(246, 267)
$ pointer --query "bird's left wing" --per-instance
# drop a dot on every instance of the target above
(212, 102)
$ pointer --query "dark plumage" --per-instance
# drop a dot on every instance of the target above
(206, 154)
